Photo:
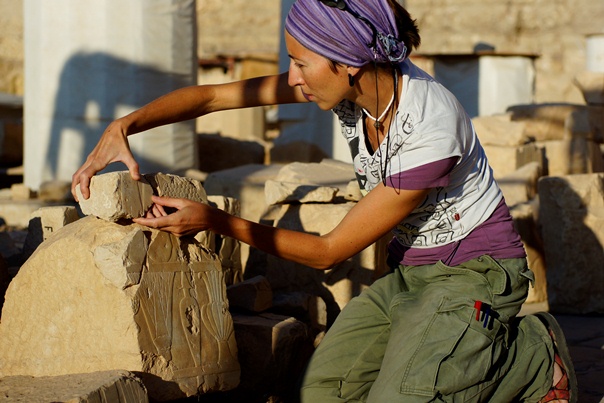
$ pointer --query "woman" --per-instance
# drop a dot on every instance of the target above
(442, 325)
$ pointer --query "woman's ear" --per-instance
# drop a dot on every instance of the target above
(352, 70)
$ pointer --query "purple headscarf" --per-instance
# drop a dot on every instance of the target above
(340, 36)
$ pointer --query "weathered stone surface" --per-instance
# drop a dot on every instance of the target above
(525, 221)
(303, 306)
(297, 151)
(546, 122)
(216, 152)
(576, 156)
(335, 286)
(286, 192)
(274, 350)
(520, 186)
(505, 160)
(253, 295)
(246, 184)
(499, 130)
(115, 196)
(107, 387)
(44, 222)
(21, 192)
(228, 249)
(330, 173)
(123, 297)
(55, 191)
(572, 221)
(591, 85)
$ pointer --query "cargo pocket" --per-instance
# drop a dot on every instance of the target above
(455, 352)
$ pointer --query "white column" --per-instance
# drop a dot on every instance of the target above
(89, 62)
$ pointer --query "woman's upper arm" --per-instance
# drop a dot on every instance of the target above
(258, 91)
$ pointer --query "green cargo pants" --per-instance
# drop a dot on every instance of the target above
(417, 335)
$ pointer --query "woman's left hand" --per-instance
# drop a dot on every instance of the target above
(189, 218)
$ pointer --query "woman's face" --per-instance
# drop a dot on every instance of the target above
(314, 75)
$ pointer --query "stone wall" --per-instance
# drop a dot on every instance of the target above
(11, 46)
(554, 30)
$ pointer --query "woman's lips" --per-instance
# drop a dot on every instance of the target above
(307, 96)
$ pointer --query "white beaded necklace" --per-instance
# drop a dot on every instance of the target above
(377, 123)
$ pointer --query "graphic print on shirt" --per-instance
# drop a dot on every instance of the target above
(348, 126)
(439, 216)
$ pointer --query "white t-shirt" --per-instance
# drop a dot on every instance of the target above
(430, 125)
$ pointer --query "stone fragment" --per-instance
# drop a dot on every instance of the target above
(246, 184)
(330, 173)
(274, 350)
(20, 191)
(505, 160)
(44, 222)
(591, 84)
(296, 151)
(520, 186)
(525, 221)
(116, 386)
(571, 216)
(55, 191)
(499, 130)
(228, 249)
(168, 185)
(337, 285)
(286, 192)
(569, 157)
(121, 297)
(546, 122)
(115, 196)
(216, 153)
(303, 306)
(253, 295)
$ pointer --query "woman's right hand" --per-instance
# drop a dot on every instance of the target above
(112, 147)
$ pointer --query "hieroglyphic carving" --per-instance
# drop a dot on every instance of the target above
(183, 315)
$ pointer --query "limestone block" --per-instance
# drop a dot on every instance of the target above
(303, 306)
(337, 285)
(546, 122)
(591, 85)
(21, 192)
(499, 130)
(330, 173)
(228, 249)
(44, 222)
(98, 296)
(246, 184)
(296, 151)
(525, 221)
(520, 186)
(216, 153)
(274, 350)
(286, 192)
(576, 156)
(505, 160)
(253, 295)
(168, 185)
(55, 191)
(115, 196)
(116, 386)
(571, 215)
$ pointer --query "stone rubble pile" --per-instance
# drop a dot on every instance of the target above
(108, 305)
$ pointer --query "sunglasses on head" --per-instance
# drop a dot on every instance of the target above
(341, 5)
